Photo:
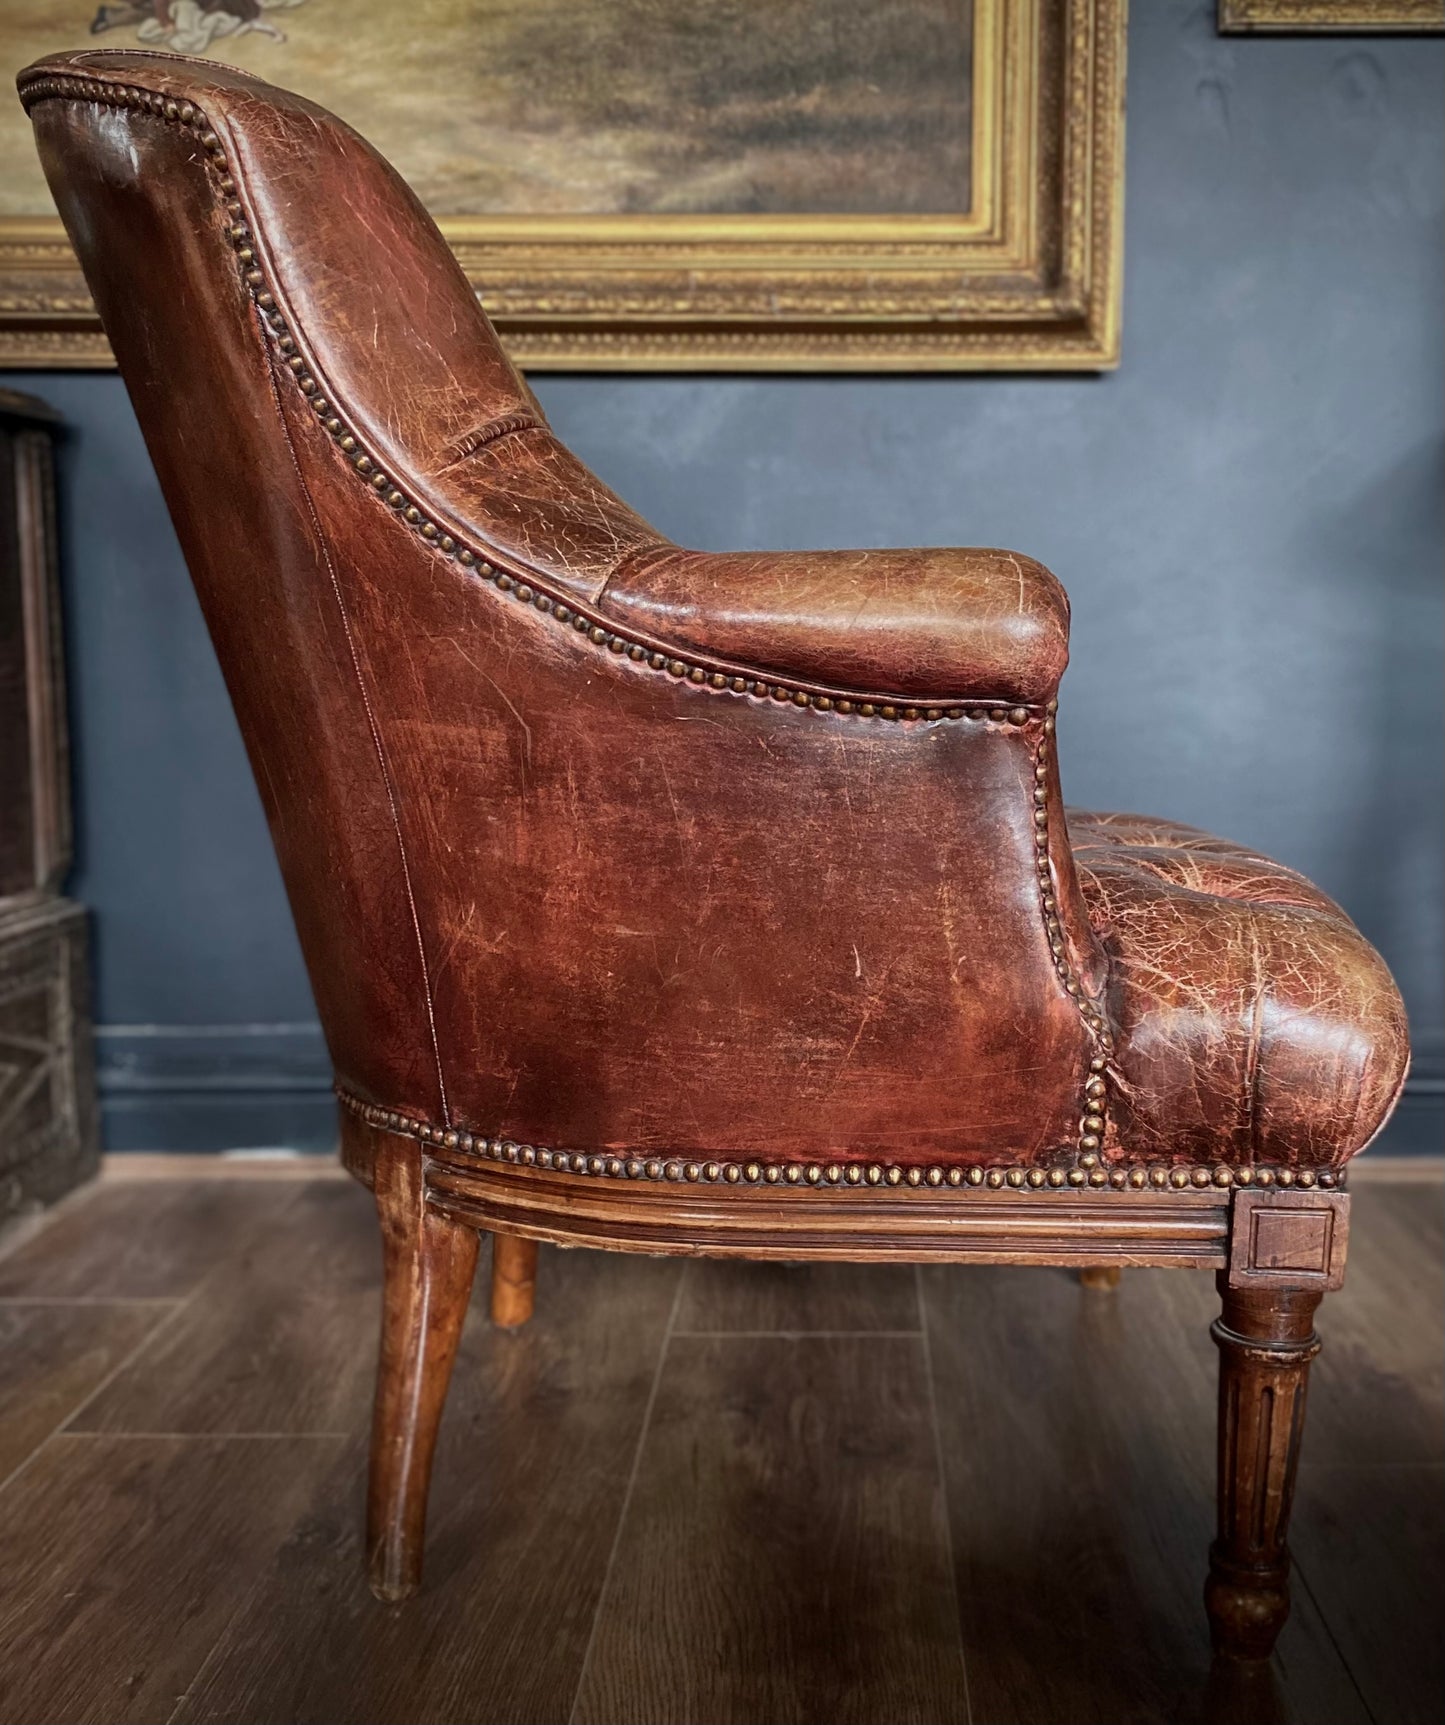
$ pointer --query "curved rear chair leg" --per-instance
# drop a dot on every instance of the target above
(514, 1279)
(428, 1264)
(1286, 1250)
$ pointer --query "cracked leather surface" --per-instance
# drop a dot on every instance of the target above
(1255, 1022)
(550, 892)
(987, 625)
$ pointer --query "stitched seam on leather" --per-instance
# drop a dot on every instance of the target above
(486, 435)
(164, 55)
(1253, 1051)
(1156, 1178)
(633, 561)
(372, 725)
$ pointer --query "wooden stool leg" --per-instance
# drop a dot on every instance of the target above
(514, 1279)
(1099, 1276)
(1266, 1341)
(428, 1264)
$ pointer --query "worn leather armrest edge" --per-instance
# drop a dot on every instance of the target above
(934, 624)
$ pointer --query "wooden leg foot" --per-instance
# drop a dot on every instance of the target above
(428, 1264)
(1266, 1341)
(1099, 1276)
(514, 1279)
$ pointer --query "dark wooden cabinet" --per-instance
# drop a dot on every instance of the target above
(48, 1134)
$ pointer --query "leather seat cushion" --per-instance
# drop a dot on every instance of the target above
(1255, 1024)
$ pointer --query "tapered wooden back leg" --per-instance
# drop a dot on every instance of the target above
(514, 1279)
(428, 1264)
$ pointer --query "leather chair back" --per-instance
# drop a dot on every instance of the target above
(555, 879)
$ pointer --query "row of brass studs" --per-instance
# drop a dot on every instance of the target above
(1155, 1176)
(116, 96)
(1091, 1128)
(586, 624)
(1096, 1091)
(524, 590)
(1091, 1125)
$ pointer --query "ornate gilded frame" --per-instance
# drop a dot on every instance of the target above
(1028, 280)
(1343, 17)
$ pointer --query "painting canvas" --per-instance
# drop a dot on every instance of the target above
(604, 108)
(662, 183)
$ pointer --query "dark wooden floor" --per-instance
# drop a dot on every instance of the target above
(687, 1491)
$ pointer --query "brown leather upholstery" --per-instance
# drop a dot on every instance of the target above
(1254, 1023)
(927, 625)
(598, 844)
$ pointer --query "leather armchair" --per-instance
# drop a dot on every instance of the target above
(680, 902)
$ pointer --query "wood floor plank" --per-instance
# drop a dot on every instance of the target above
(783, 1557)
(1369, 1543)
(154, 1239)
(283, 1339)
(725, 1294)
(1078, 1433)
(122, 1560)
(1377, 1391)
(52, 1358)
(536, 1447)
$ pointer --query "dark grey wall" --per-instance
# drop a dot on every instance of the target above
(1248, 516)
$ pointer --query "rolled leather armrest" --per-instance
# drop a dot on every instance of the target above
(934, 625)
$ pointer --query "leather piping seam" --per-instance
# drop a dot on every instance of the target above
(523, 583)
(636, 558)
(492, 432)
(840, 1174)
(372, 726)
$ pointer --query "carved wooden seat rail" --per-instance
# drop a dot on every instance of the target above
(676, 902)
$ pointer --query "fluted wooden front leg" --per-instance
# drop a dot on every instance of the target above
(1266, 1341)
(514, 1279)
(428, 1265)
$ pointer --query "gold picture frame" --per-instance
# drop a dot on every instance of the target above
(1028, 279)
(1340, 17)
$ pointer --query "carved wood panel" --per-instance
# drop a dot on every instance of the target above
(1289, 1239)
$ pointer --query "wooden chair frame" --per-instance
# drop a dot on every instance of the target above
(1276, 1249)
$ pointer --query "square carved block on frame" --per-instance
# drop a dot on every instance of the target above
(1289, 1240)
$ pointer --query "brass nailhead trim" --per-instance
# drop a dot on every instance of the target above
(1093, 1119)
(1151, 1177)
(1092, 1124)
(519, 586)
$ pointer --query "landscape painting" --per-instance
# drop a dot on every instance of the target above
(584, 107)
(665, 182)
